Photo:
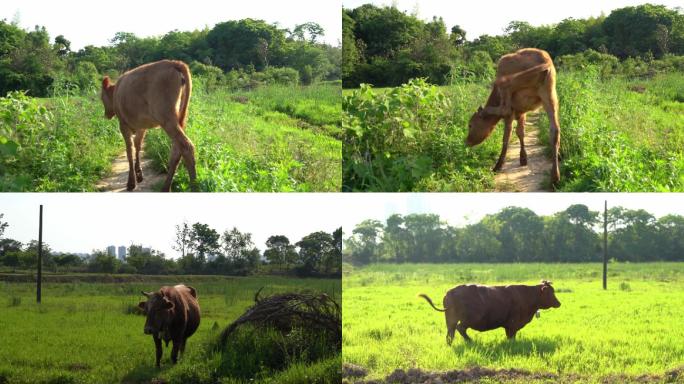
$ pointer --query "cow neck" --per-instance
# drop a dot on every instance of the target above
(536, 303)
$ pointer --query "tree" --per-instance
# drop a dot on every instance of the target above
(313, 248)
(458, 35)
(279, 250)
(204, 242)
(3, 225)
(311, 30)
(183, 240)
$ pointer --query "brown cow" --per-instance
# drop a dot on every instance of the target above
(152, 95)
(485, 308)
(173, 314)
(525, 80)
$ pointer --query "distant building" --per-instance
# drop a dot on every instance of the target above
(111, 250)
(122, 253)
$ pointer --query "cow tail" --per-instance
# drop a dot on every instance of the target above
(424, 296)
(186, 81)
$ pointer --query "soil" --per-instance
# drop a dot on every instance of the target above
(534, 177)
(354, 374)
(118, 178)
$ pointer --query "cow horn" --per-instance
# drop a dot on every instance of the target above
(146, 294)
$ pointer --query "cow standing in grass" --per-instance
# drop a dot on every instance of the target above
(173, 314)
(152, 95)
(484, 308)
(525, 80)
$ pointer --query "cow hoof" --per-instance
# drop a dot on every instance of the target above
(523, 161)
(139, 177)
(130, 187)
(497, 168)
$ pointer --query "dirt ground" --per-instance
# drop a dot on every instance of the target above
(116, 182)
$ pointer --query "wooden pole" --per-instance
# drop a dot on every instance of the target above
(40, 255)
(605, 245)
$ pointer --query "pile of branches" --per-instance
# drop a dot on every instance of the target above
(287, 311)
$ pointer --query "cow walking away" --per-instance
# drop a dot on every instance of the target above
(152, 95)
(173, 314)
(525, 80)
(484, 308)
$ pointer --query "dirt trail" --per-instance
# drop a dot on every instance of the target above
(119, 176)
(531, 178)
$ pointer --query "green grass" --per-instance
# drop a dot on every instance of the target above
(633, 328)
(620, 135)
(91, 333)
(273, 138)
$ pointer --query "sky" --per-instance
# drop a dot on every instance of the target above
(81, 222)
(459, 209)
(492, 16)
(95, 22)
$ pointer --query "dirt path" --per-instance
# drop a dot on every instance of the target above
(119, 176)
(531, 178)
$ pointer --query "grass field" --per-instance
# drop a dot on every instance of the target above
(617, 135)
(632, 329)
(272, 138)
(91, 332)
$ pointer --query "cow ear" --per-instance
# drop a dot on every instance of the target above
(106, 82)
(167, 304)
(141, 305)
(479, 109)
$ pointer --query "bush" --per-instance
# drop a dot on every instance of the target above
(392, 138)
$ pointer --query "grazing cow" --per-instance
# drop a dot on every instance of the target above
(151, 95)
(485, 308)
(525, 80)
(173, 314)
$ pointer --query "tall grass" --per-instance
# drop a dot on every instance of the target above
(620, 135)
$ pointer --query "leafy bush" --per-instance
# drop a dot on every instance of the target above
(398, 140)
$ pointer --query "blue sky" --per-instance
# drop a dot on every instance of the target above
(95, 22)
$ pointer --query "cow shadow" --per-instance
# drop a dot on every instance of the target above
(500, 350)
(143, 373)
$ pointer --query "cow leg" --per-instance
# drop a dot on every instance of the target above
(520, 131)
(128, 139)
(510, 333)
(182, 347)
(158, 346)
(462, 330)
(508, 127)
(139, 137)
(185, 148)
(174, 158)
(174, 351)
(550, 102)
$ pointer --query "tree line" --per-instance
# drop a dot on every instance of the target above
(201, 249)
(517, 234)
(384, 46)
(31, 61)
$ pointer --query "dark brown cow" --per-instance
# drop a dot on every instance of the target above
(173, 314)
(152, 95)
(485, 308)
(525, 81)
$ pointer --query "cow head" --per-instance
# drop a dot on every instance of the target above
(158, 309)
(548, 296)
(481, 125)
(107, 96)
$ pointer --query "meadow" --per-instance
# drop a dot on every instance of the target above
(271, 138)
(618, 134)
(92, 332)
(629, 333)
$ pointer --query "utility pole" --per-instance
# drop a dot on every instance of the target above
(605, 245)
(40, 255)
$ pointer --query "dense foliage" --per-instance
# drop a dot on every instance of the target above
(30, 61)
(386, 47)
(202, 250)
(519, 235)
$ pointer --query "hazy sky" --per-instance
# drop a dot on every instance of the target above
(83, 222)
(461, 208)
(492, 16)
(95, 22)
